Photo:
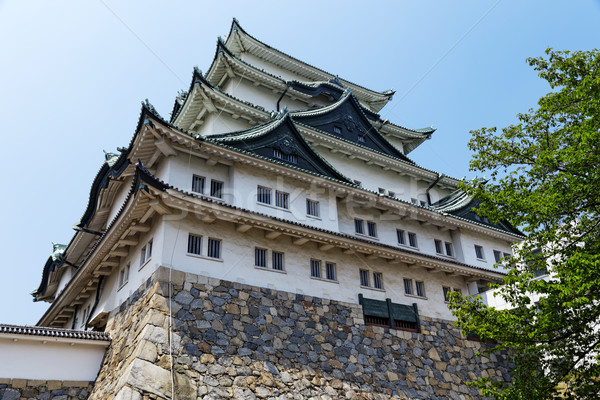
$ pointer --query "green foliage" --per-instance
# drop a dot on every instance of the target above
(545, 179)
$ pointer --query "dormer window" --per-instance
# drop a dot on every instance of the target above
(337, 130)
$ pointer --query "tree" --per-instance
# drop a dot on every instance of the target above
(545, 179)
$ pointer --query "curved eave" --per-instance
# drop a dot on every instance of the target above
(241, 41)
(142, 176)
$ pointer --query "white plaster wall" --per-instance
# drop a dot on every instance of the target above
(46, 358)
(237, 264)
(373, 177)
(221, 122)
(65, 278)
(489, 244)
(247, 180)
(271, 68)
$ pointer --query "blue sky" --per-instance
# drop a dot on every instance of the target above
(73, 75)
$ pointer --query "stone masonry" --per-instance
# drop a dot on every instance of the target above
(16, 389)
(204, 338)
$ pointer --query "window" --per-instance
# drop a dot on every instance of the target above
(359, 226)
(361, 138)
(260, 257)
(391, 194)
(312, 208)
(372, 228)
(263, 195)
(447, 291)
(422, 203)
(278, 261)
(377, 280)
(282, 199)
(412, 239)
(420, 286)
(479, 252)
(414, 201)
(146, 253)
(449, 249)
(357, 182)
(315, 268)
(408, 286)
(216, 189)
(194, 244)
(497, 255)
(123, 277)
(438, 246)
(330, 271)
(401, 236)
(285, 157)
(337, 129)
(198, 183)
(364, 278)
(214, 248)
(381, 191)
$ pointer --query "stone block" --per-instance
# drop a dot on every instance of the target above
(54, 385)
(19, 383)
(126, 393)
(146, 377)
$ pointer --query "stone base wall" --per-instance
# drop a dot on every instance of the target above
(204, 338)
(15, 389)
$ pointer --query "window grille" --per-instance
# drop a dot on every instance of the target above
(449, 249)
(420, 286)
(263, 195)
(216, 189)
(359, 226)
(194, 244)
(438, 246)
(408, 286)
(214, 248)
(260, 257)
(198, 183)
(497, 255)
(401, 236)
(377, 321)
(312, 208)
(372, 228)
(412, 239)
(337, 129)
(278, 261)
(282, 199)
(315, 268)
(377, 280)
(364, 277)
(330, 271)
(292, 158)
(447, 291)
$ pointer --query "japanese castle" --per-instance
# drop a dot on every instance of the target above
(273, 173)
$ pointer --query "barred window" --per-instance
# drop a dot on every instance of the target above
(312, 208)
(216, 189)
(214, 248)
(361, 138)
(282, 199)
(449, 249)
(364, 278)
(315, 268)
(412, 239)
(377, 280)
(330, 271)
(359, 226)
(278, 261)
(146, 253)
(438, 246)
(479, 252)
(198, 183)
(372, 228)
(497, 255)
(420, 286)
(123, 276)
(260, 257)
(263, 195)
(337, 129)
(194, 244)
(447, 291)
(401, 236)
(408, 286)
